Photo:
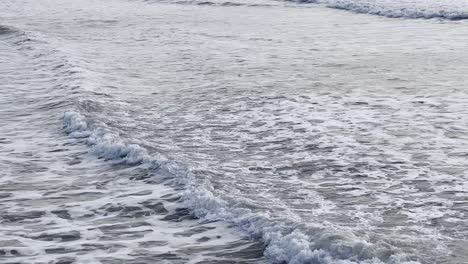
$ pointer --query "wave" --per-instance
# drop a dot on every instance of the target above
(37, 52)
(212, 3)
(285, 240)
(426, 9)
(411, 9)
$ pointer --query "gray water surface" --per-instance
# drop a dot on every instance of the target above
(243, 132)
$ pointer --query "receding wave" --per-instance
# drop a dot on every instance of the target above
(426, 9)
(285, 240)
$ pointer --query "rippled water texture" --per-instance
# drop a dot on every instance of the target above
(232, 132)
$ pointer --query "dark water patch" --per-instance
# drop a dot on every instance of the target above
(100, 246)
(205, 3)
(5, 195)
(59, 250)
(64, 214)
(151, 244)
(91, 106)
(57, 150)
(59, 237)
(66, 260)
(74, 161)
(150, 258)
(194, 231)
(9, 252)
(426, 204)
(239, 250)
(5, 30)
(180, 215)
(22, 41)
(21, 114)
(5, 141)
(124, 235)
(59, 66)
(118, 208)
(310, 167)
(221, 262)
(134, 212)
(122, 226)
(147, 176)
(423, 186)
(203, 239)
(260, 169)
(231, 4)
(142, 193)
(254, 251)
(171, 198)
(21, 216)
(155, 206)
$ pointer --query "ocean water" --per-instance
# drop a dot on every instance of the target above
(249, 131)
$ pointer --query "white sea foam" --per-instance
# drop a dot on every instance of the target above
(104, 144)
(389, 83)
(445, 9)
(426, 9)
(285, 240)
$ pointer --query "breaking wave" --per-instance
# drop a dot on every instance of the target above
(426, 9)
(285, 240)
(412, 9)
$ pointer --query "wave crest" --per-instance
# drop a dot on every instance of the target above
(404, 9)
(285, 241)
(426, 9)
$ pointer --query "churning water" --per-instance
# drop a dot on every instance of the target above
(252, 131)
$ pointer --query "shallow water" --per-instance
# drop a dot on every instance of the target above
(219, 132)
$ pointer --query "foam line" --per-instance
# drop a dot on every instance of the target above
(427, 9)
(284, 240)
